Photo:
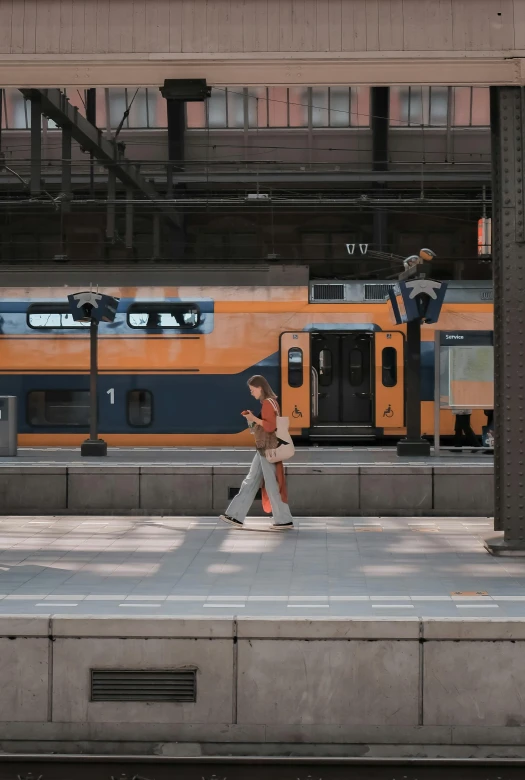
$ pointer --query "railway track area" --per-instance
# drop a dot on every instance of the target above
(55, 767)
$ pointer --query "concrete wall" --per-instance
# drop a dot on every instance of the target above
(408, 147)
(268, 685)
(324, 490)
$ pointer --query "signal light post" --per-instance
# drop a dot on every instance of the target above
(413, 302)
(96, 308)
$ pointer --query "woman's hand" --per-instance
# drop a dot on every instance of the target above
(251, 418)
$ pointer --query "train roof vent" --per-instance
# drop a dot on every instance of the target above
(140, 685)
(328, 292)
(377, 292)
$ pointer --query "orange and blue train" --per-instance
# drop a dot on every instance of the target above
(175, 362)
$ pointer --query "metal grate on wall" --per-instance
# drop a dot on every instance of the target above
(328, 292)
(377, 292)
(178, 685)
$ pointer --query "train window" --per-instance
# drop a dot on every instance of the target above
(356, 367)
(52, 315)
(154, 316)
(295, 367)
(61, 408)
(389, 366)
(140, 408)
(325, 367)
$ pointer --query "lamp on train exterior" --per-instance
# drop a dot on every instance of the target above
(93, 307)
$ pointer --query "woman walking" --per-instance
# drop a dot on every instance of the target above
(269, 476)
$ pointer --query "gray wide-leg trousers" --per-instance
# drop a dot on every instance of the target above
(259, 470)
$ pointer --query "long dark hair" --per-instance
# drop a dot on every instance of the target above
(260, 381)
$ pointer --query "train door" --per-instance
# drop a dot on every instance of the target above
(390, 380)
(295, 380)
(342, 366)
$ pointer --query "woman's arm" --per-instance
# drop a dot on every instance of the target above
(268, 419)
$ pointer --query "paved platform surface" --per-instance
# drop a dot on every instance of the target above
(329, 567)
(142, 456)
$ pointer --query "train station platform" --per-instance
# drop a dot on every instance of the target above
(183, 636)
(322, 481)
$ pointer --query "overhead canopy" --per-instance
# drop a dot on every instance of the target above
(92, 43)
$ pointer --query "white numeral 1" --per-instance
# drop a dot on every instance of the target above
(111, 393)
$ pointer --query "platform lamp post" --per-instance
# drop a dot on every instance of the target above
(414, 300)
(93, 307)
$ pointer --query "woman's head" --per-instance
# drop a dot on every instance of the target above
(260, 388)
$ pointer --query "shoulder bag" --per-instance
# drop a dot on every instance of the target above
(285, 448)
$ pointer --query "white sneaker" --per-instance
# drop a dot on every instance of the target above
(231, 521)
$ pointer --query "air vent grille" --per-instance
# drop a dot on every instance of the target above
(329, 292)
(377, 292)
(155, 685)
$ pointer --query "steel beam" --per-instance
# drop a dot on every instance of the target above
(507, 127)
(54, 104)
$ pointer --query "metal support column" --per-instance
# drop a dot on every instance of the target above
(1, 115)
(176, 127)
(413, 444)
(66, 169)
(91, 116)
(176, 110)
(507, 108)
(380, 121)
(156, 236)
(93, 447)
(36, 145)
(111, 205)
(129, 219)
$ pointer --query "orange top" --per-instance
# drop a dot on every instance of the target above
(269, 416)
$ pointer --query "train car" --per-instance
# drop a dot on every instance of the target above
(174, 364)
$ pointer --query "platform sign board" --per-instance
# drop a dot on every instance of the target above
(464, 366)
(466, 370)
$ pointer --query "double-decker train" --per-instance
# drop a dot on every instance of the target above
(175, 362)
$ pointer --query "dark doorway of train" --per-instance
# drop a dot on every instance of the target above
(342, 390)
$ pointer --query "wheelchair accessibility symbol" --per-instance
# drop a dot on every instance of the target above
(297, 413)
(389, 412)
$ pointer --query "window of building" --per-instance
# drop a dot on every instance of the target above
(471, 107)
(295, 367)
(227, 107)
(154, 316)
(140, 408)
(60, 408)
(389, 367)
(281, 107)
(437, 106)
(52, 315)
(416, 106)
